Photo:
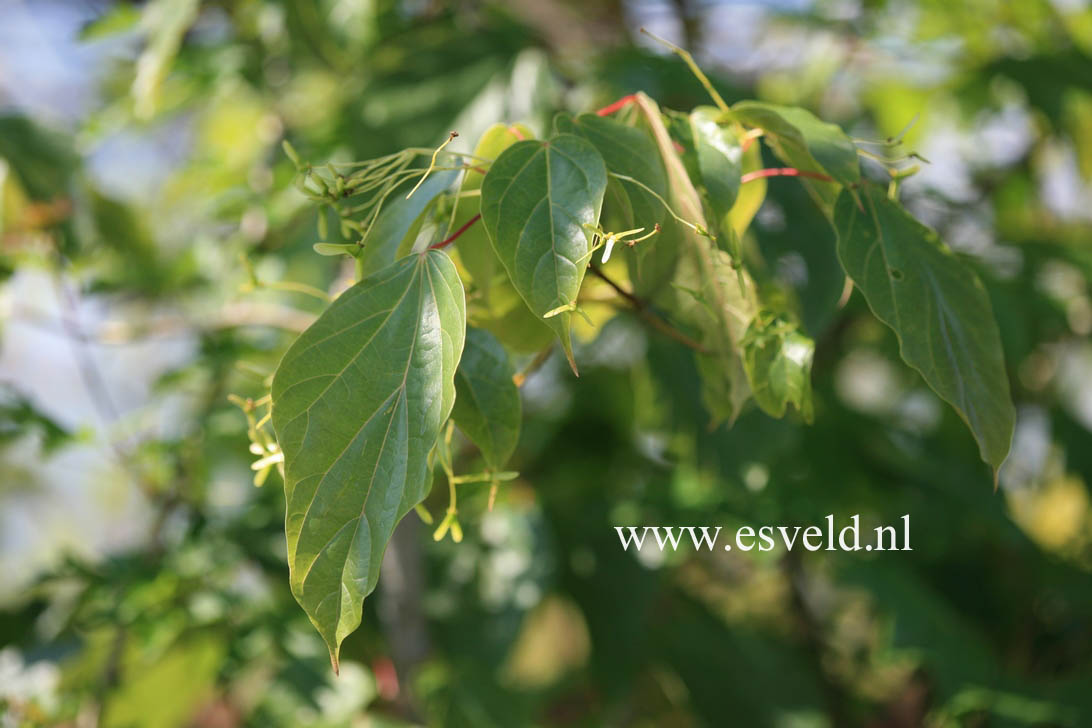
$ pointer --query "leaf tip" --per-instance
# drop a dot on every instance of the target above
(568, 347)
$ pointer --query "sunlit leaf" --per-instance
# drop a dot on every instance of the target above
(536, 200)
(719, 157)
(358, 402)
(805, 142)
(473, 247)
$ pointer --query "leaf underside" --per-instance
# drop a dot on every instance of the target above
(358, 402)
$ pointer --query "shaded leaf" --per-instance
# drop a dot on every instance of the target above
(937, 307)
(487, 404)
(777, 358)
(706, 294)
(535, 201)
(358, 402)
(389, 238)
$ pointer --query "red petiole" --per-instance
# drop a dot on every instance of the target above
(782, 172)
(617, 105)
(456, 234)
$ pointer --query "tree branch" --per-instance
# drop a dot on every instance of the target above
(642, 309)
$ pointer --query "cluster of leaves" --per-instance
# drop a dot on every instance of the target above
(361, 398)
(538, 617)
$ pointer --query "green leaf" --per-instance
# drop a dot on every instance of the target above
(350, 249)
(706, 294)
(536, 200)
(937, 307)
(751, 195)
(719, 157)
(166, 23)
(389, 238)
(473, 247)
(494, 305)
(628, 151)
(487, 404)
(358, 402)
(777, 358)
(805, 142)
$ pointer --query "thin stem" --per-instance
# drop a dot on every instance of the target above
(432, 163)
(783, 172)
(617, 105)
(295, 287)
(689, 59)
(696, 228)
(540, 358)
(451, 239)
(643, 311)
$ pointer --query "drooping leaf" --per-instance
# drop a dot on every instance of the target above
(389, 238)
(493, 304)
(805, 142)
(487, 404)
(536, 199)
(937, 307)
(707, 293)
(777, 358)
(358, 402)
(627, 151)
(719, 157)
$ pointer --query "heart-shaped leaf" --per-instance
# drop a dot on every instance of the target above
(487, 404)
(358, 402)
(937, 307)
(536, 200)
(474, 249)
(628, 151)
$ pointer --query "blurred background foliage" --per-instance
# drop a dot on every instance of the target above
(148, 217)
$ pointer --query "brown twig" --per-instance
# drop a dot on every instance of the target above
(642, 309)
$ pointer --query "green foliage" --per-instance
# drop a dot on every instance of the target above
(487, 404)
(536, 200)
(746, 358)
(540, 203)
(937, 307)
(358, 402)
